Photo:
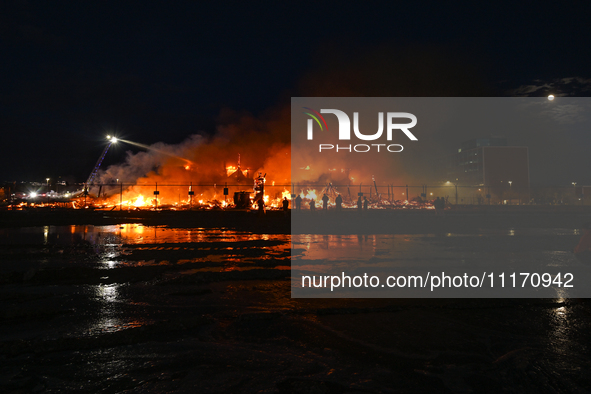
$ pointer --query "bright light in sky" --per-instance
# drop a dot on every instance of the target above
(551, 97)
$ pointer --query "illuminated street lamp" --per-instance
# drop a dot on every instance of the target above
(575, 192)
(47, 179)
(510, 191)
(456, 185)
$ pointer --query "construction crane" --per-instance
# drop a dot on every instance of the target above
(92, 175)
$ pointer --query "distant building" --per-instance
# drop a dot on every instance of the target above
(491, 165)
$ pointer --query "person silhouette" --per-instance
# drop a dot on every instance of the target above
(298, 202)
(438, 204)
(325, 202)
(261, 207)
(339, 202)
(312, 205)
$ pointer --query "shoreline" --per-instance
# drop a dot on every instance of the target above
(349, 221)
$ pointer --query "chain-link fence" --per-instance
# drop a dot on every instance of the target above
(127, 196)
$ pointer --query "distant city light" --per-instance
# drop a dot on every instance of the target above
(551, 97)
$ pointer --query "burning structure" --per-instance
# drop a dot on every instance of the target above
(200, 172)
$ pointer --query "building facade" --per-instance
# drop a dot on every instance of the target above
(489, 168)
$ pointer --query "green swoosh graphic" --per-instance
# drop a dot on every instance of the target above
(316, 119)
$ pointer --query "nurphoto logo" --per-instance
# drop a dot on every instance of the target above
(345, 130)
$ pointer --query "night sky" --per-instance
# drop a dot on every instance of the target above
(72, 72)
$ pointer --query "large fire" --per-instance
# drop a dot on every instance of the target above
(221, 171)
(170, 189)
(140, 201)
(175, 196)
(206, 172)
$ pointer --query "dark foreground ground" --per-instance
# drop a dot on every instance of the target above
(175, 316)
(349, 221)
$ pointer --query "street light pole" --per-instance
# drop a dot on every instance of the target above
(456, 185)
(47, 179)
(575, 192)
(510, 191)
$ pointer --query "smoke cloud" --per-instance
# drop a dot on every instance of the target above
(200, 160)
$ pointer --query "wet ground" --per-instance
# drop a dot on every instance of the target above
(133, 308)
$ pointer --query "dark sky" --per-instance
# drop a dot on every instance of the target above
(71, 72)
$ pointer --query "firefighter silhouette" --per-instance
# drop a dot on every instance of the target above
(298, 202)
(339, 202)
